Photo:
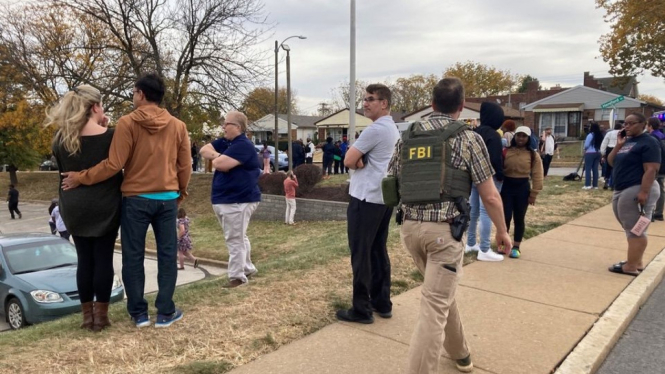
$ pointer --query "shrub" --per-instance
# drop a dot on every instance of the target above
(308, 176)
(273, 183)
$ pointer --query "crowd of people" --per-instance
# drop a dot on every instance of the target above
(446, 175)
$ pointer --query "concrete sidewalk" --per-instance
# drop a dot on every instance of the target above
(520, 316)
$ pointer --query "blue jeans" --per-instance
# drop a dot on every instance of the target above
(478, 211)
(591, 161)
(137, 214)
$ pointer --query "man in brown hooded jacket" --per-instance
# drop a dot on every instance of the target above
(153, 148)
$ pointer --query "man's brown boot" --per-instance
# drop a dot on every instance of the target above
(87, 310)
(101, 319)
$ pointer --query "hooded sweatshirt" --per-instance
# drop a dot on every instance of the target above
(491, 118)
(153, 147)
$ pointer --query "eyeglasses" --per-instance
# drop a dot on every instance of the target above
(371, 98)
(628, 123)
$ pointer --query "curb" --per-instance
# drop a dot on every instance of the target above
(592, 350)
(202, 261)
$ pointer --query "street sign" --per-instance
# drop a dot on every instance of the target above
(612, 102)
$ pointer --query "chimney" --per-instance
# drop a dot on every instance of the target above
(590, 81)
(532, 91)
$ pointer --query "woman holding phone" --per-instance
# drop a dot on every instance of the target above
(635, 160)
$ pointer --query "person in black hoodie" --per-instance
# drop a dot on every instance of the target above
(298, 153)
(491, 118)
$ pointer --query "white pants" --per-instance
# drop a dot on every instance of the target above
(234, 219)
(290, 210)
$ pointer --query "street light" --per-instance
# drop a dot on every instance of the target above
(276, 134)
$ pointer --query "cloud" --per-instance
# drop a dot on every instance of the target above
(553, 41)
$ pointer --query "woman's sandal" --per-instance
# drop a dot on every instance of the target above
(618, 268)
(621, 263)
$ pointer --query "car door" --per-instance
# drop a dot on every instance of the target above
(4, 287)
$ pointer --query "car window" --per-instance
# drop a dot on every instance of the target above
(33, 257)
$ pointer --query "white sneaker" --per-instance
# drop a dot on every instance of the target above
(586, 187)
(474, 248)
(490, 255)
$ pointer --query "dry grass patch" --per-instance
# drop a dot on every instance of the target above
(305, 275)
(39, 185)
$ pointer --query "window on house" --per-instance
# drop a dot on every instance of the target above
(546, 120)
(560, 124)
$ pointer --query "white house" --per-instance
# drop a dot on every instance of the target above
(336, 125)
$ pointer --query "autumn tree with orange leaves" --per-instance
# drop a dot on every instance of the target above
(636, 42)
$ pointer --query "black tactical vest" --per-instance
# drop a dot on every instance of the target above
(427, 175)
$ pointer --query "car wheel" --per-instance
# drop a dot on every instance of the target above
(15, 314)
(272, 167)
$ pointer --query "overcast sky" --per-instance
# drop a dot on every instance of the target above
(554, 41)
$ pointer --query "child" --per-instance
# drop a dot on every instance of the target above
(184, 241)
(51, 222)
(290, 185)
(59, 223)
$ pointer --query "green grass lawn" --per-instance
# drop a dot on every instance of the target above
(304, 277)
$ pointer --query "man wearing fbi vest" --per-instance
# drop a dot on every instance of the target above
(435, 163)
(368, 217)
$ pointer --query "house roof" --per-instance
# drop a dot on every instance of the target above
(415, 111)
(610, 85)
(508, 112)
(303, 122)
(267, 123)
(339, 111)
(589, 92)
(398, 116)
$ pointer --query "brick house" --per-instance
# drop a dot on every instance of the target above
(519, 99)
(568, 111)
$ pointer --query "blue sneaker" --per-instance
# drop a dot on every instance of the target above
(167, 320)
(515, 253)
(141, 321)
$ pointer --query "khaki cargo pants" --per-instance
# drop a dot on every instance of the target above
(439, 258)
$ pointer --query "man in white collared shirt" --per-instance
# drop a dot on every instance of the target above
(609, 141)
(368, 216)
(548, 150)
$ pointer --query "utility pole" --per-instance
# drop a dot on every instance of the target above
(275, 135)
(352, 85)
(323, 110)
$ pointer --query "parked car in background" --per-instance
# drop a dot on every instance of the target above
(38, 279)
(48, 165)
(283, 160)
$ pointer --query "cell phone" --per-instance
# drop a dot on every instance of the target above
(623, 133)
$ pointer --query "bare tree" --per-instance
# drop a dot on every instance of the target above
(341, 95)
(203, 48)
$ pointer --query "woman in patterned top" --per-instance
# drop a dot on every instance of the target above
(184, 241)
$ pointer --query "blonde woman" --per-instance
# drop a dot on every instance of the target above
(90, 213)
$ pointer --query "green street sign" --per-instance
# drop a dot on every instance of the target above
(612, 102)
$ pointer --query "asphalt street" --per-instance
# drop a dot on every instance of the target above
(640, 349)
(35, 219)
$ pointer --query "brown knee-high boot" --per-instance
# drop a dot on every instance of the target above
(101, 319)
(87, 310)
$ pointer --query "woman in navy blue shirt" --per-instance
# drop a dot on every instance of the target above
(636, 160)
